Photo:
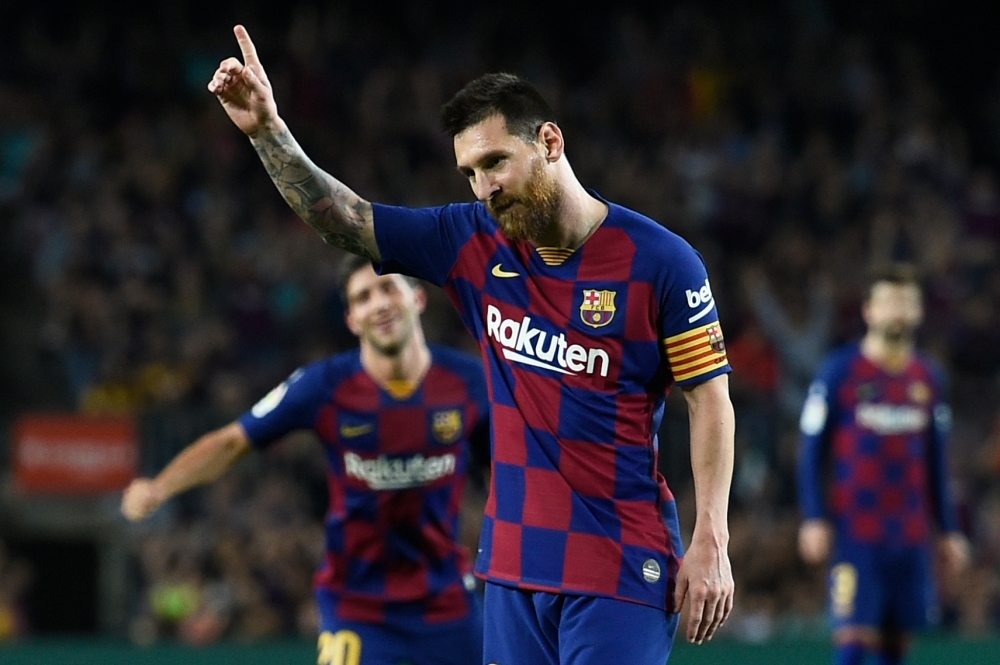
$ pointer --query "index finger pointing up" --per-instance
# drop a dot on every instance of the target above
(246, 46)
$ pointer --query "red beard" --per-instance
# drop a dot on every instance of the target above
(528, 216)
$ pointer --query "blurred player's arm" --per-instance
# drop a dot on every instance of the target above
(953, 547)
(204, 461)
(816, 532)
(341, 217)
(705, 576)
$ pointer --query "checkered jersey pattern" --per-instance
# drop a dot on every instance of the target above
(397, 472)
(878, 437)
(580, 351)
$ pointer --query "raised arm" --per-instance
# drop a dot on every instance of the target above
(705, 575)
(202, 462)
(341, 217)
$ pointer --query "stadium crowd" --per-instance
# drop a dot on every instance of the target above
(171, 280)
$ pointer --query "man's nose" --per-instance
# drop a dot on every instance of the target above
(484, 187)
(380, 300)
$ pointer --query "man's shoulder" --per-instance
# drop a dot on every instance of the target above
(332, 369)
(932, 366)
(648, 233)
(661, 255)
(472, 211)
(839, 358)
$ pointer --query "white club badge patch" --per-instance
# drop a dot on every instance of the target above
(269, 401)
(650, 570)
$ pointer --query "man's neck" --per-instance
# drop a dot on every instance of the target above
(891, 354)
(409, 365)
(580, 214)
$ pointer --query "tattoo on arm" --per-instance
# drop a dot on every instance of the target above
(341, 217)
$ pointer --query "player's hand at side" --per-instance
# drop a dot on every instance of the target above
(815, 540)
(953, 549)
(243, 89)
(705, 579)
(140, 499)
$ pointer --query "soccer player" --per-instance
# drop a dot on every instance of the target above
(873, 483)
(586, 313)
(399, 420)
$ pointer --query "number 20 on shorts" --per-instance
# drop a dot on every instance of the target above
(340, 648)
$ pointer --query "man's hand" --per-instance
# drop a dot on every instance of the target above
(243, 89)
(706, 577)
(815, 540)
(953, 548)
(140, 499)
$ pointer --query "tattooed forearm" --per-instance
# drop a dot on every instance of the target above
(341, 217)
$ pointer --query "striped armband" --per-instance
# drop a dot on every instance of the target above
(696, 351)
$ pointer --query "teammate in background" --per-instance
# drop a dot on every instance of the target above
(586, 313)
(399, 420)
(873, 481)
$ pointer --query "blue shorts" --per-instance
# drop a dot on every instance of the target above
(881, 587)
(404, 638)
(538, 628)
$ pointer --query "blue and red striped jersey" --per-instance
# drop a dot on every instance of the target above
(872, 454)
(580, 348)
(396, 476)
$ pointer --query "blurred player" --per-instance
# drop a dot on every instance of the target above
(873, 481)
(586, 313)
(396, 418)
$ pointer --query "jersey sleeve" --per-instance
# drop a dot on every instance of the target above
(421, 242)
(689, 320)
(290, 406)
(815, 424)
(942, 501)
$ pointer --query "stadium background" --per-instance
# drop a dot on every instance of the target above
(148, 268)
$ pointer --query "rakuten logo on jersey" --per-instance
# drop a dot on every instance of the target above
(539, 348)
(696, 299)
(889, 419)
(383, 473)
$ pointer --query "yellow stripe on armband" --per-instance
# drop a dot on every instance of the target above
(696, 351)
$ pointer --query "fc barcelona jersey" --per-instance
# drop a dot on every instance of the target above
(580, 348)
(397, 471)
(872, 455)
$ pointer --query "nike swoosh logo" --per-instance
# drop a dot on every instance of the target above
(498, 271)
(351, 431)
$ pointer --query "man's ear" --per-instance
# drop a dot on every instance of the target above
(352, 323)
(420, 296)
(551, 138)
(865, 311)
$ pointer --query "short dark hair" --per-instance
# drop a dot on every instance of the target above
(350, 264)
(897, 273)
(519, 103)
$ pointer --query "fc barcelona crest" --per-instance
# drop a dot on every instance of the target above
(715, 339)
(598, 307)
(447, 425)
